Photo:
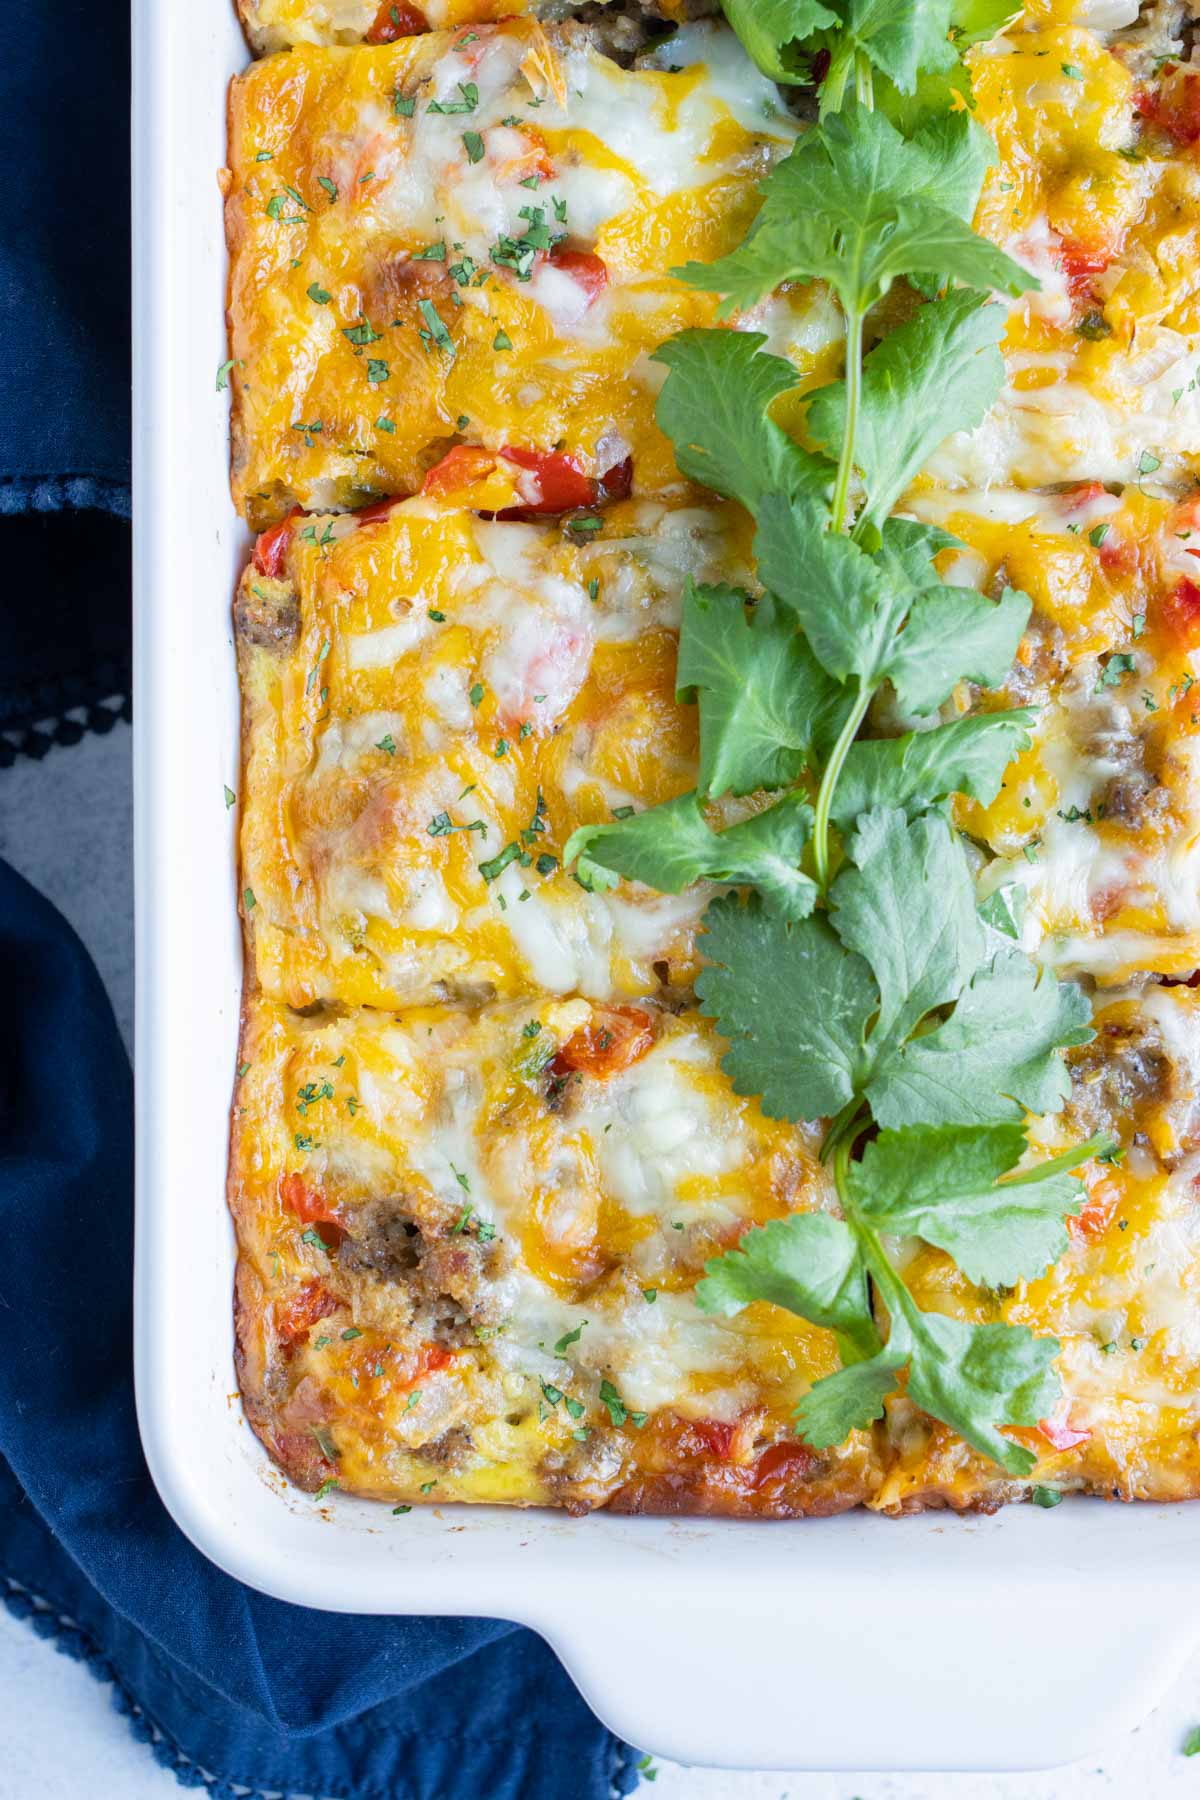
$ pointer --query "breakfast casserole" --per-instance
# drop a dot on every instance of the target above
(719, 847)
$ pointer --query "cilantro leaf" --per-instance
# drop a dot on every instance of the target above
(669, 847)
(906, 551)
(958, 154)
(765, 702)
(943, 1183)
(975, 1377)
(936, 374)
(848, 1400)
(967, 756)
(954, 634)
(976, 20)
(849, 611)
(1003, 910)
(851, 607)
(714, 406)
(857, 205)
(808, 1263)
(997, 1053)
(907, 905)
(905, 43)
(793, 1003)
(902, 39)
(896, 40)
(774, 30)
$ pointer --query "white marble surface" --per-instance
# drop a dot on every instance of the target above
(65, 823)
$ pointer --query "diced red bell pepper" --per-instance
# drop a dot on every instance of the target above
(616, 1038)
(780, 1461)
(1180, 612)
(461, 467)
(715, 1435)
(1062, 1434)
(308, 1203)
(559, 484)
(1175, 106)
(378, 509)
(271, 547)
(587, 270)
(1080, 262)
(616, 483)
(297, 1315)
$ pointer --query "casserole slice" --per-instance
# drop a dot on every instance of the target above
(1122, 1301)
(432, 702)
(1096, 830)
(468, 1244)
(466, 240)
(280, 24)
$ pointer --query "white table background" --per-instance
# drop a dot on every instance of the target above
(66, 824)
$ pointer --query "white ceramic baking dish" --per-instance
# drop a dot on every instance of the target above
(1012, 1642)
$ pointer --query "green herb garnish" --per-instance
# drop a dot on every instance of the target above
(856, 981)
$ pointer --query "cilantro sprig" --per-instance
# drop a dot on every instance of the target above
(853, 975)
(892, 52)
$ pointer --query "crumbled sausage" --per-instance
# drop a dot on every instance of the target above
(266, 614)
(414, 1246)
(1124, 1071)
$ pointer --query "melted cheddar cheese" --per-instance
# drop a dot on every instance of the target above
(467, 240)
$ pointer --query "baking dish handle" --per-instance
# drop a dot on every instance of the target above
(853, 1682)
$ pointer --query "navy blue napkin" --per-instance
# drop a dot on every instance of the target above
(64, 396)
(225, 1685)
(64, 255)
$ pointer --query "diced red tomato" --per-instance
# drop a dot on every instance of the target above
(585, 268)
(714, 1434)
(395, 20)
(557, 484)
(616, 1038)
(1175, 108)
(779, 1462)
(1080, 262)
(271, 547)
(1062, 1434)
(461, 467)
(1180, 612)
(301, 1312)
(308, 1203)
